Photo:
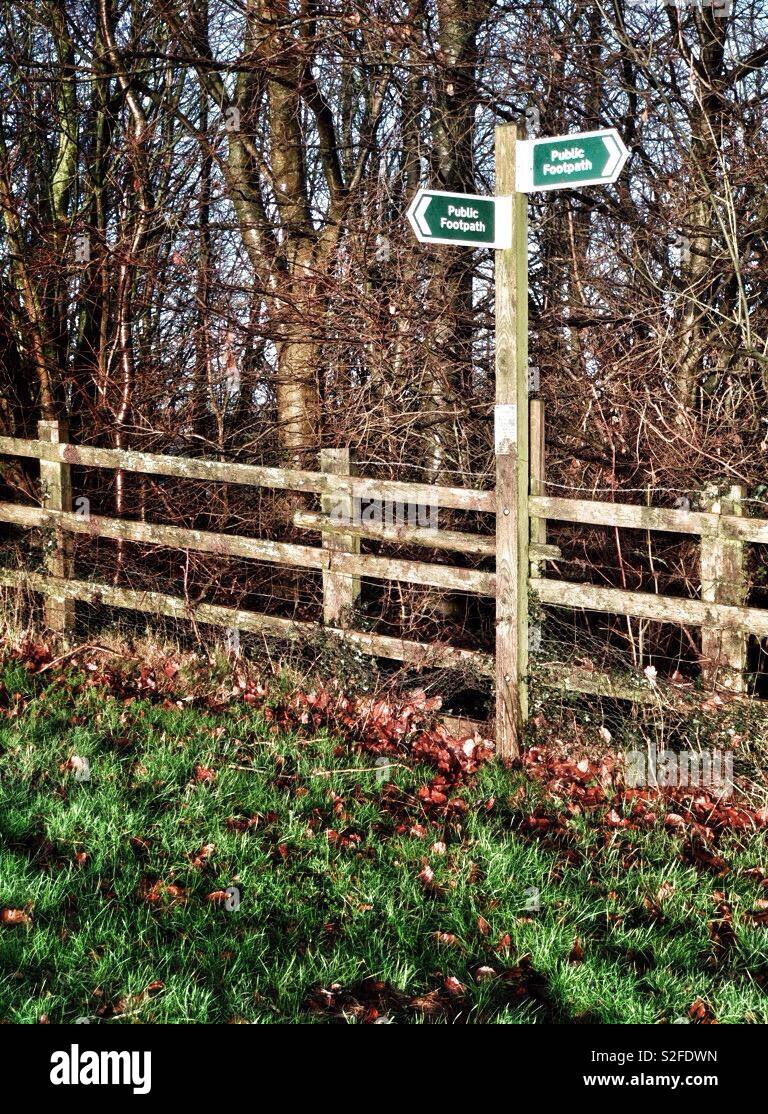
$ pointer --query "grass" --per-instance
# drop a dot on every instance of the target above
(323, 916)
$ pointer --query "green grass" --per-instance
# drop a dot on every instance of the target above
(317, 911)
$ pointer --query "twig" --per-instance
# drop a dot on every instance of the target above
(73, 653)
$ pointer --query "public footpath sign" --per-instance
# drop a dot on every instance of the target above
(461, 219)
(560, 162)
(437, 217)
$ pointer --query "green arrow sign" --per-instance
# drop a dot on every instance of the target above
(562, 161)
(461, 218)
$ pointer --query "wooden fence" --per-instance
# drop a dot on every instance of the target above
(719, 611)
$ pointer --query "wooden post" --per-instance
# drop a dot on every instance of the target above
(538, 477)
(511, 417)
(56, 485)
(340, 592)
(723, 652)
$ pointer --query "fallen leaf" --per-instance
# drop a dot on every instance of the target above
(485, 974)
(446, 939)
(200, 857)
(453, 986)
(14, 916)
(426, 875)
(577, 952)
(700, 1013)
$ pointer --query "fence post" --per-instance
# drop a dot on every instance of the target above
(511, 437)
(723, 652)
(56, 484)
(340, 592)
(538, 477)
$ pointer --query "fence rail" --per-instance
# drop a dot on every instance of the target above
(252, 475)
(421, 654)
(588, 512)
(720, 611)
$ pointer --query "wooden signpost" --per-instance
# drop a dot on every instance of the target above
(511, 441)
(522, 166)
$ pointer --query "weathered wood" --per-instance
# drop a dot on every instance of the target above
(216, 471)
(174, 537)
(512, 530)
(453, 540)
(420, 654)
(723, 652)
(594, 513)
(508, 712)
(460, 727)
(56, 493)
(544, 552)
(259, 549)
(556, 675)
(538, 477)
(646, 605)
(340, 592)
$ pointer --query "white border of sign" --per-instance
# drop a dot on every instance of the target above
(502, 219)
(524, 161)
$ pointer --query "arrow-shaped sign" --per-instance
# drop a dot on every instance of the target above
(461, 218)
(563, 161)
(419, 215)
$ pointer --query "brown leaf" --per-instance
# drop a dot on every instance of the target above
(159, 891)
(446, 939)
(674, 820)
(700, 1013)
(485, 974)
(200, 857)
(700, 855)
(577, 951)
(427, 877)
(14, 916)
(758, 915)
(482, 926)
(430, 1003)
(453, 986)
(721, 931)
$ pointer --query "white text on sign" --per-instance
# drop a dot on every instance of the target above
(571, 160)
(463, 218)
